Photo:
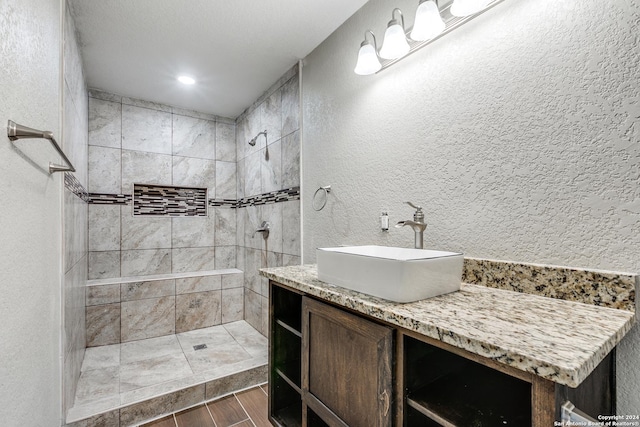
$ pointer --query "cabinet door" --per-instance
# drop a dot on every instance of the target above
(346, 367)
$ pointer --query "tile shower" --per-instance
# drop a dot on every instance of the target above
(134, 142)
(277, 112)
(75, 213)
(152, 276)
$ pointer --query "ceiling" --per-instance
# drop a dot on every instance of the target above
(235, 49)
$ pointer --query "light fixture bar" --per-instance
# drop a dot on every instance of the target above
(452, 22)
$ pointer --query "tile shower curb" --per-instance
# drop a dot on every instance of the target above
(143, 410)
(208, 401)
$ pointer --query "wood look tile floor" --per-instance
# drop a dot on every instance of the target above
(243, 409)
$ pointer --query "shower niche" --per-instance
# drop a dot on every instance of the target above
(162, 200)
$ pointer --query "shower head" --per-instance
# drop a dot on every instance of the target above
(253, 141)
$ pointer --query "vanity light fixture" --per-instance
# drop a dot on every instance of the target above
(428, 23)
(467, 7)
(186, 80)
(368, 61)
(395, 43)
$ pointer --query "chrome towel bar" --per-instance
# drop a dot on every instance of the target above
(16, 131)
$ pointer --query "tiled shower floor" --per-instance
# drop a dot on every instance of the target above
(122, 374)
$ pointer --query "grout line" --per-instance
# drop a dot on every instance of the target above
(243, 408)
(184, 353)
(211, 415)
(159, 417)
(236, 341)
(240, 422)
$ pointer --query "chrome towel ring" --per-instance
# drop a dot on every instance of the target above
(323, 191)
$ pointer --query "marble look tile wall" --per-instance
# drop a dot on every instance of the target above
(271, 165)
(75, 212)
(187, 148)
(123, 312)
(138, 142)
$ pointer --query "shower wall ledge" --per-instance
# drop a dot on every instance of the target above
(167, 276)
(123, 309)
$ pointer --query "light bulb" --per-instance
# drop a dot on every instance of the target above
(395, 43)
(368, 62)
(428, 23)
(467, 7)
(186, 80)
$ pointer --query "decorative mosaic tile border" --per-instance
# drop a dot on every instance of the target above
(601, 288)
(223, 203)
(72, 184)
(283, 195)
(109, 199)
(156, 200)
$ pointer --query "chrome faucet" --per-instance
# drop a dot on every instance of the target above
(264, 229)
(417, 224)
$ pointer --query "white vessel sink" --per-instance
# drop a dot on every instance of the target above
(396, 274)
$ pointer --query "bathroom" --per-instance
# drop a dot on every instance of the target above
(517, 133)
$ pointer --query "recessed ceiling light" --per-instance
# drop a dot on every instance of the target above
(186, 80)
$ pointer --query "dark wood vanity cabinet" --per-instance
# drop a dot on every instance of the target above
(347, 373)
(331, 367)
(327, 367)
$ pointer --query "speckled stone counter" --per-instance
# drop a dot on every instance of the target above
(596, 287)
(559, 340)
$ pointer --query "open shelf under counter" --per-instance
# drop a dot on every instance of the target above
(457, 392)
(289, 416)
(472, 397)
(287, 312)
(288, 360)
(286, 401)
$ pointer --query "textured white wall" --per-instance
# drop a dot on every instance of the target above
(518, 133)
(30, 218)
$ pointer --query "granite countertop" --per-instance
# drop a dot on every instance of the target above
(559, 340)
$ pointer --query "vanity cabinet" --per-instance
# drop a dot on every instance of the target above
(285, 357)
(332, 367)
(327, 367)
(346, 366)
